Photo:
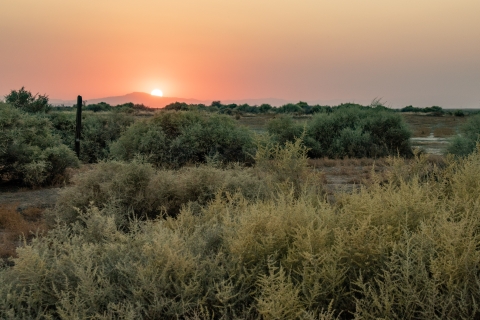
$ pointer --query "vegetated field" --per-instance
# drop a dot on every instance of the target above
(253, 243)
(429, 132)
(422, 125)
(186, 215)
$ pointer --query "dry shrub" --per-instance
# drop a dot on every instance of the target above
(16, 226)
(136, 189)
(400, 249)
(286, 167)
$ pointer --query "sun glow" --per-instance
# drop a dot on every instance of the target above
(157, 92)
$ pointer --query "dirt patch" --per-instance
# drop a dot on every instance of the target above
(42, 198)
(17, 227)
(21, 217)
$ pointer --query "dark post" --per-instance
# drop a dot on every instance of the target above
(79, 126)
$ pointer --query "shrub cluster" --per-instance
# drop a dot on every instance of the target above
(435, 110)
(135, 190)
(28, 149)
(238, 109)
(26, 101)
(99, 130)
(464, 144)
(177, 138)
(348, 131)
(401, 250)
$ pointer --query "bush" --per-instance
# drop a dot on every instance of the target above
(284, 129)
(136, 190)
(98, 132)
(464, 144)
(349, 131)
(29, 151)
(177, 138)
(25, 101)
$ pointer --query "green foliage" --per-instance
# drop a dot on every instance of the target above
(98, 132)
(348, 131)
(28, 150)
(404, 248)
(178, 138)
(177, 106)
(232, 109)
(284, 129)
(128, 107)
(464, 144)
(435, 110)
(25, 101)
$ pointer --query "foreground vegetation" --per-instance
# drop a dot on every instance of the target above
(403, 248)
(187, 215)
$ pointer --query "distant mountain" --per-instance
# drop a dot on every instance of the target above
(135, 97)
(160, 102)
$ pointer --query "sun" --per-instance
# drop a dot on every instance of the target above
(157, 92)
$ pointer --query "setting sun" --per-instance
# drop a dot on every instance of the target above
(157, 92)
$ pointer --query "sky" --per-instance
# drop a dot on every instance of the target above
(421, 53)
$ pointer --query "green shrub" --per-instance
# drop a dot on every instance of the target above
(464, 144)
(284, 129)
(29, 151)
(25, 101)
(177, 138)
(98, 132)
(349, 131)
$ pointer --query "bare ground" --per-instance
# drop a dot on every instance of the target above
(41, 198)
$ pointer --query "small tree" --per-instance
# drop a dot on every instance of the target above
(24, 100)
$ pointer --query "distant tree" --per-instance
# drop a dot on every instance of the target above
(97, 107)
(177, 106)
(24, 100)
(264, 108)
(289, 108)
(409, 109)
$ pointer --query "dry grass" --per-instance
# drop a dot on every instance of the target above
(15, 225)
(347, 162)
(443, 132)
(423, 125)
(256, 123)
(421, 131)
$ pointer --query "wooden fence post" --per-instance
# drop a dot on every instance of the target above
(78, 130)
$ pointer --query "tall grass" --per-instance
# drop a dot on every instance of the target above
(401, 249)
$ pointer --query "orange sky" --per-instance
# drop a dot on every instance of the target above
(423, 52)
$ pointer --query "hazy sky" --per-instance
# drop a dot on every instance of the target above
(422, 52)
